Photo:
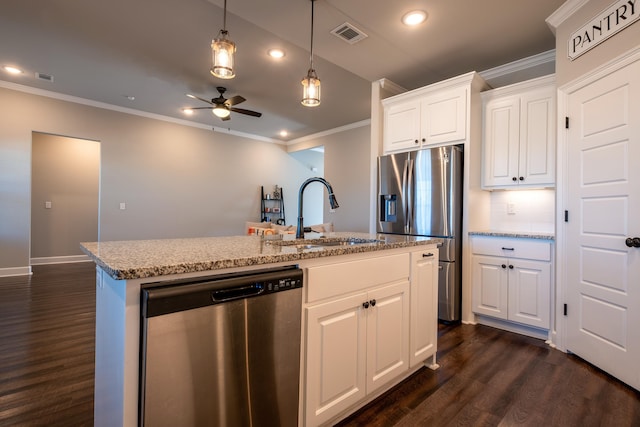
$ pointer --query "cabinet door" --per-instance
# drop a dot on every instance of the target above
(530, 292)
(401, 126)
(501, 142)
(336, 357)
(489, 281)
(444, 116)
(424, 306)
(538, 137)
(387, 334)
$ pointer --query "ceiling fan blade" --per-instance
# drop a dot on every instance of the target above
(200, 99)
(247, 112)
(235, 100)
(200, 108)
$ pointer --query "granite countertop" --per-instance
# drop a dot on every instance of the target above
(517, 234)
(135, 259)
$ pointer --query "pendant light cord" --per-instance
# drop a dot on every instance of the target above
(311, 55)
(224, 17)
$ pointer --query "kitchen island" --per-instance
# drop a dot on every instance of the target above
(339, 268)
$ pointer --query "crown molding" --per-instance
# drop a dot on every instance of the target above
(339, 129)
(563, 13)
(519, 65)
(77, 100)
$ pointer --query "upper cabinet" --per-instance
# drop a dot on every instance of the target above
(519, 139)
(433, 115)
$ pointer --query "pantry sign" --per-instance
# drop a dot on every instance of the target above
(612, 20)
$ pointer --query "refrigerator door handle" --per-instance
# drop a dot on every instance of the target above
(405, 173)
(410, 196)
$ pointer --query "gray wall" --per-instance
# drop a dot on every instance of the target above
(176, 181)
(622, 42)
(347, 167)
(314, 194)
(66, 173)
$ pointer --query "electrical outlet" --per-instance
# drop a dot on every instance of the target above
(47, 205)
(123, 206)
(511, 208)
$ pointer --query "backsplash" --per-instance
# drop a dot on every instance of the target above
(523, 210)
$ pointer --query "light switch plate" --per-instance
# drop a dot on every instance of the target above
(123, 206)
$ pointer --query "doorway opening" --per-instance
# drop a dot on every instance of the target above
(65, 183)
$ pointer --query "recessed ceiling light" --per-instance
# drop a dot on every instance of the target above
(187, 111)
(276, 53)
(284, 133)
(12, 70)
(414, 17)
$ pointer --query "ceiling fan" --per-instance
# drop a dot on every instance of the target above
(222, 107)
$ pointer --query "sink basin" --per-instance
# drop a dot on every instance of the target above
(327, 242)
(347, 242)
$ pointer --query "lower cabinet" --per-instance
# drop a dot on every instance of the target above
(424, 306)
(352, 349)
(511, 280)
(363, 327)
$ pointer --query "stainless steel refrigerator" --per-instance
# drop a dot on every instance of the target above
(420, 194)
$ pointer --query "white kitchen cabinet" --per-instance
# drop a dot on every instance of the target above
(519, 135)
(357, 326)
(424, 306)
(429, 116)
(355, 345)
(364, 324)
(511, 280)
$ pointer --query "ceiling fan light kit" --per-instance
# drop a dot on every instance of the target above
(311, 83)
(221, 111)
(222, 52)
(223, 107)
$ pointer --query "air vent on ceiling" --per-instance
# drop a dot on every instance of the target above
(349, 33)
(45, 77)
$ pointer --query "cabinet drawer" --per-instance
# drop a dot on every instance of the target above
(512, 248)
(341, 278)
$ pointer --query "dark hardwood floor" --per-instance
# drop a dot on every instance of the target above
(47, 346)
(487, 377)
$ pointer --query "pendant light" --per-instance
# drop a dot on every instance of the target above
(222, 51)
(311, 83)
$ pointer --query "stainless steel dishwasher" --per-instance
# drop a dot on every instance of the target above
(222, 350)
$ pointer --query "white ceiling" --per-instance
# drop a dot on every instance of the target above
(159, 50)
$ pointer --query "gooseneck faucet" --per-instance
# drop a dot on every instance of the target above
(332, 201)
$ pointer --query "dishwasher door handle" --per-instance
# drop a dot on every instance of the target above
(229, 294)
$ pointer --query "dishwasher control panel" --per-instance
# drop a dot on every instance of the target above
(184, 294)
(283, 284)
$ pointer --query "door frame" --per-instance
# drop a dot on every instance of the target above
(559, 330)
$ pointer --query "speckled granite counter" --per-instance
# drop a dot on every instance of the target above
(136, 259)
(519, 234)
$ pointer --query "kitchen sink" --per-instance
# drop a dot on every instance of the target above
(326, 242)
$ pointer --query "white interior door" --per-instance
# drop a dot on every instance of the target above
(603, 188)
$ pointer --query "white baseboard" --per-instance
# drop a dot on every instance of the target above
(15, 271)
(59, 259)
(529, 331)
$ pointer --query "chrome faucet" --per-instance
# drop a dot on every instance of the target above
(332, 201)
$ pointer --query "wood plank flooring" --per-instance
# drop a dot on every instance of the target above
(487, 377)
(47, 327)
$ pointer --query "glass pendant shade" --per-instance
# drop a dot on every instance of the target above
(311, 89)
(222, 51)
